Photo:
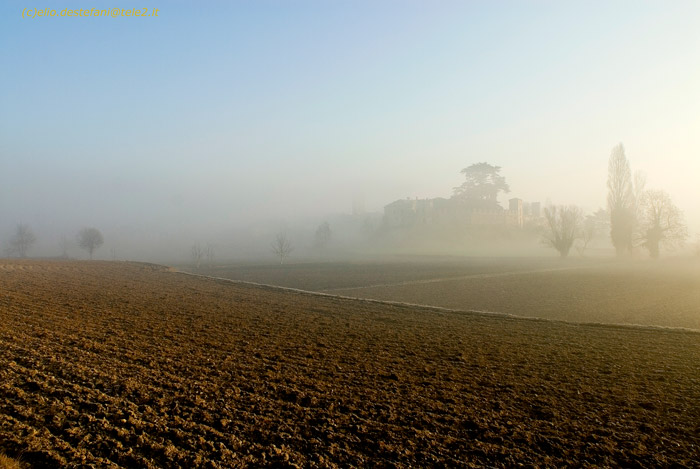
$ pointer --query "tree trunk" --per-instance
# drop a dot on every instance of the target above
(654, 236)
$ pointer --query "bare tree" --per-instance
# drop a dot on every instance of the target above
(640, 185)
(621, 201)
(661, 223)
(90, 239)
(563, 227)
(323, 234)
(22, 240)
(209, 254)
(601, 221)
(197, 255)
(282, 246)
(586, 235)
(64, 247)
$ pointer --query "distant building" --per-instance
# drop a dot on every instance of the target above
(409, 212)
(515, 206)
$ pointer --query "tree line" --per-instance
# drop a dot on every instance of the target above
(281, 246)
(89, 239)
(638, 217)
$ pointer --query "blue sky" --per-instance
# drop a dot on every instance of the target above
(221, 111)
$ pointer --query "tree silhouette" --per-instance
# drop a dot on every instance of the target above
(90, 239)
(22, 240)
(587, 233)
(323, 234)
(64, 247)
(282, 247)
(482, 183)
(197, 255)
(661, 222)
(621, 201)
(563, 227)
(209, 254)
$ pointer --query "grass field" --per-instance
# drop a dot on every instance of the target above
(327, 276)
(134, 365)
(664, 293)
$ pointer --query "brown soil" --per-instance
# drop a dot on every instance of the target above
(134, 365)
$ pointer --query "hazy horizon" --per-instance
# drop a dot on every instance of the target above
(212, 119)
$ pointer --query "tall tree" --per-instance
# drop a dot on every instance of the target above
(22, 240)
(661, 222)
(621, 201)
(482, 183)
(323, 234)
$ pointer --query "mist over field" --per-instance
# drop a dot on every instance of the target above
(268, 117)
(368, 233)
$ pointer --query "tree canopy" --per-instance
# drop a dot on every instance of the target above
(621, 201)
(22, 240)
(564, 226)
(482, 183)
(90, 239)
(661, 222)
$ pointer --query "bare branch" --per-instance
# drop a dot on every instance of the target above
(22, 240)
(282, 246)
(197, 255)
(564, 224)
(661, 223)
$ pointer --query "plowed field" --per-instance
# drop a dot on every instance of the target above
(133, 365)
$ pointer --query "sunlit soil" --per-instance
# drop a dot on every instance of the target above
(135, 365)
